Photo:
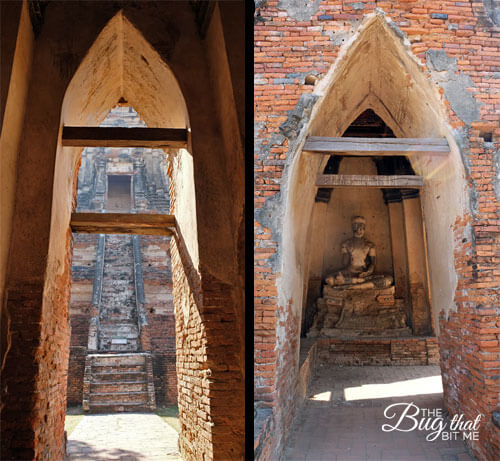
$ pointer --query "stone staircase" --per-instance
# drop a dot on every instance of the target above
(118, 378)
(119, 337)
(118, 330)
(118, 383)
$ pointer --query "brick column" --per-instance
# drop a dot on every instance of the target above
(417, 262)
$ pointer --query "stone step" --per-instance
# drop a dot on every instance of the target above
(117, 359)
(121, 315)
(114, 376)
(111, 302)
(120, 369)
(118, 339)
(103, 387)
(119, 333)
(115, 292)
(128, 347)
(124, 325)
(115, 407)
(120, 348)
(97, 369)
(118, 382)
(125, 397)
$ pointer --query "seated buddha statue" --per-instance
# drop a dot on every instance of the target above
(358, 262)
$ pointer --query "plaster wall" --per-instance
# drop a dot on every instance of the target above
(17, 44)
(185, 213)
(225, 65)
(348, 202)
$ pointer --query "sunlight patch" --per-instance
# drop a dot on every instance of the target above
(322, 396)
(419, 386)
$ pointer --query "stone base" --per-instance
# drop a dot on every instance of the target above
(377, 351)
(351, 313)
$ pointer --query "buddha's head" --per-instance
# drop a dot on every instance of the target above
(358, 226)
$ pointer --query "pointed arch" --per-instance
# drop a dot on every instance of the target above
(120, 64)
(376, 70)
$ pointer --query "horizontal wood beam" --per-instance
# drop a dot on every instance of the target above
(122, 223)
(377, 181)
(86, 136)
(376, 146)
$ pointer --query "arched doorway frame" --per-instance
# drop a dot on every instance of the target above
(304, 168)
(328, 111)
(65, 38)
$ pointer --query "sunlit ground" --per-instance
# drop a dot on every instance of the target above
(123, 436)
(171, 416)
(73, 417)
(418, 386)
(348, 406)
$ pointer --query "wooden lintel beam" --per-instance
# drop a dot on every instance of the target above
(122, 223)
(375, 181)
(153, 138)
(376, 146)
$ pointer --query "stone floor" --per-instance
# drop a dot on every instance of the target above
(124, 437)
(343, 416)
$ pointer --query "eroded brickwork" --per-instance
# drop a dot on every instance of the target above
(210, 376)
(459, 43)
(40, 317)
(83, 270)
(157, 272)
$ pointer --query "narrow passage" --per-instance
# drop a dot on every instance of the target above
(343, 416)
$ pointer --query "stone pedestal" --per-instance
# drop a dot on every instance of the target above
(359, 313)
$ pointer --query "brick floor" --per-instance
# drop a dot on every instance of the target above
(124, 437)
(343, 415)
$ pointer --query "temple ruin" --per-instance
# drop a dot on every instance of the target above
(376, 205)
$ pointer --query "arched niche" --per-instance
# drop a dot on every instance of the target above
(376, 70)
(394, 225)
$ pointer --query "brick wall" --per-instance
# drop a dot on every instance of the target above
(404, 351)
(83, 270)
(157, 273)
(209, 366)
(294, 41)
(40, 317)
